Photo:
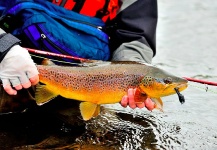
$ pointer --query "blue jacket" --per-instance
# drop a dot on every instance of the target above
(132, 32)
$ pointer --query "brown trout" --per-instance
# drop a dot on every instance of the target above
(105, 83)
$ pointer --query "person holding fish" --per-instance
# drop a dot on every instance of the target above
(133, 40)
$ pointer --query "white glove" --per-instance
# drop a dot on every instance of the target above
(18, 69)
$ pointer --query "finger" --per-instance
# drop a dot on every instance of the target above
(8, 88)
(23, 78)
(149, 104)
(15, 82)
(124, 101)
(32, 71)
(26, 85)
(34, 80)
(25, 82)
(131, 98)
(140, 105)
(18, 83)
(18, 87)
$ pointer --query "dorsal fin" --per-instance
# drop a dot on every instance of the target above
(47, 62)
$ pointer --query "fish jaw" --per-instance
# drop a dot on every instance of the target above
(155, 88)
(170, 89)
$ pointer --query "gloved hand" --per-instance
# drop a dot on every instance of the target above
(17, 69)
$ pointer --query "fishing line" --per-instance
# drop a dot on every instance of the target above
(207, 89)
(204, 82)
(59, 61)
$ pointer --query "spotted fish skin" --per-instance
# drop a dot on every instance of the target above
(101, 84)
(104, 83)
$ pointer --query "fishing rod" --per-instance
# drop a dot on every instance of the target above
(201, 81)
(86, 60)
(56, 55)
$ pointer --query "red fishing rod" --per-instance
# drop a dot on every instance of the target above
(56, 55)
(85, 60)
(201, 81)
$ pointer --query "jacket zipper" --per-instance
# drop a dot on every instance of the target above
(44, 37)
(86, 23)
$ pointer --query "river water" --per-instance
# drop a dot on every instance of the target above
(186, 46)
(186, 43)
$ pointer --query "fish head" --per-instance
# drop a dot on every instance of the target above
(159, 83)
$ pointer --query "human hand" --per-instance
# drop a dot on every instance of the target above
(17, 69)
(129, 99)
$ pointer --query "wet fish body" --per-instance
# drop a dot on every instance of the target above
(105, 83)
(98, 84)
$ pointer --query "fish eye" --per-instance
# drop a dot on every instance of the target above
(168, 80)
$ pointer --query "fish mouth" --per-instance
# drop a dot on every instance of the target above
(180, 86)
(171, 88)
(176, 89)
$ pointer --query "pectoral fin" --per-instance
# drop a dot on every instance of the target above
(139, 97)
(158, 103)
(89, 110)
(43, 94)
